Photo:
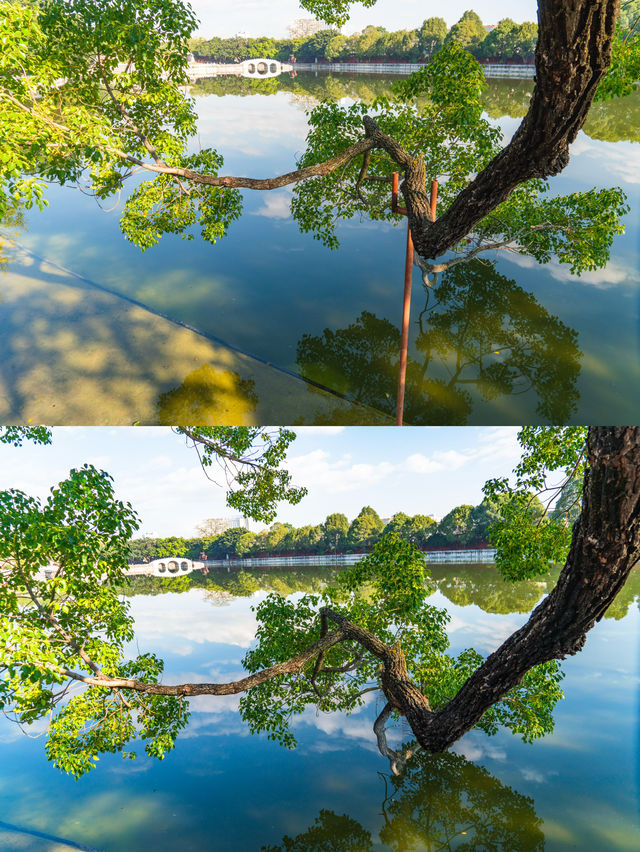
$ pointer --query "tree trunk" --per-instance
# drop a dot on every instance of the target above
(604, 548)
(573, 52)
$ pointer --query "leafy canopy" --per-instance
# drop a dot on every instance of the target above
(75, 623)
(251, 458)
(527, 535)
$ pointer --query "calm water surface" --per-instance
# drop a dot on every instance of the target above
(563, 348)
(222, 789)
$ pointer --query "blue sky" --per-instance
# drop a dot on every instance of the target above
(428, 470)
(271, 17)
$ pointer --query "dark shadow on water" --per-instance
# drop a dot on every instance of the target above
(41, 835)
(439, 802)
(480, 337)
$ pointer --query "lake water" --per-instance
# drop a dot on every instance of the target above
(222, 789)
(281, 301)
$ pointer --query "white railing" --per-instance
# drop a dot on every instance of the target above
(522, 71)
(435, 557)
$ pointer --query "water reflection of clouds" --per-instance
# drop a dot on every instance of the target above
(170, 621)
(486, 631)
(475, 746)
(622, 158)
(483, 637)
(276, 205)
(535, 775)
(11, 732)
(251, 125)
(612, 275)
(358, 726)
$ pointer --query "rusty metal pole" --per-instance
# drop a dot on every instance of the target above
(433, 199)
(404, 339)
(406, 305)
(394, 192)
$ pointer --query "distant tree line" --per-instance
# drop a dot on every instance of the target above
(463, 526)
(506, 42)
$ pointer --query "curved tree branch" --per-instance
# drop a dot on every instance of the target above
(293, 664)
(397, 759)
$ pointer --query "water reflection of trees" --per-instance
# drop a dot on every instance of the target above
(612, 121)
(616, 120)
(507, 97)
(483, 586)
(463, 585)
(628, 595)
(333, 87)
(12, 224)
(478, 330)
(439, 802)
(236, 584)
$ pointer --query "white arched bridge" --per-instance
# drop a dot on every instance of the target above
(256, 69)
(172, 566)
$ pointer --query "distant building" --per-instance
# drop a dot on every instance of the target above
(215, 526)
(489, 27)
(305, 27)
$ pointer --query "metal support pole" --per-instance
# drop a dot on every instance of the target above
(406, 304)
(394, 192)
(433, 198)
(404, 339)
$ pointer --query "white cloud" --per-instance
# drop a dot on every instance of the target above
(419, 463)
(275, 206)
(452, 459)
(259, 18)
(498, 442)
(319, 430)
(316, 470)
(613, 274)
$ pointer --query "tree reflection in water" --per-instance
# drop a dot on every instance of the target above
(439, 802)
(484, 587)
(463, 585)
(478, 330)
